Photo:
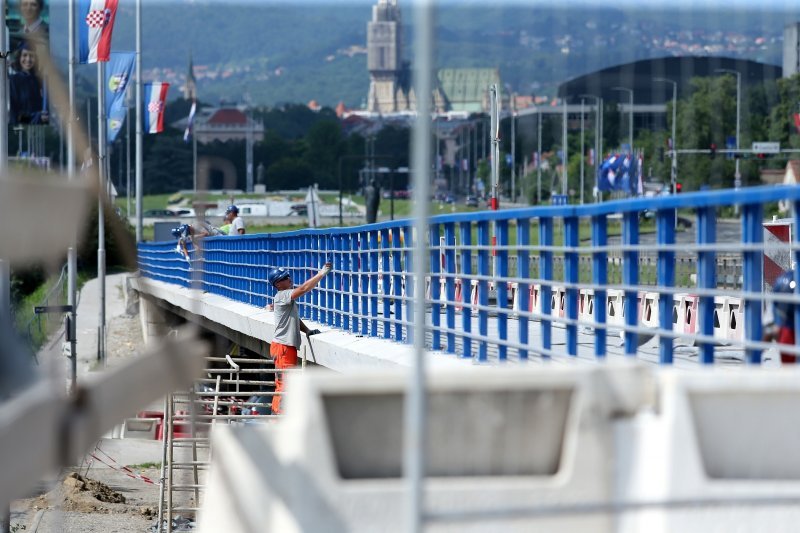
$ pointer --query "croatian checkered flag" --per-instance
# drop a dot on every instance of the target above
(95, 25)
(155, 101)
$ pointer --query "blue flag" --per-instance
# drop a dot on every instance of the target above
(118, 73)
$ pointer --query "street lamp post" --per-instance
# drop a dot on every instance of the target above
(737, 176)
(583, 154)
(630, 115)
(674, 145)
(598, 139)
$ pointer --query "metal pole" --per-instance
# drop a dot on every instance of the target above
(495, 139)
(194, 159)
(72, 251)
(139, 118)
(539, 159)
(738, 176)
(513, 155)
(630, 124)
(249, 155)
(101, 228)
(598, 157)
(421, 155)
(673, 174)
(3, 96)
(128, 158)
(564, 158)
(583, 154)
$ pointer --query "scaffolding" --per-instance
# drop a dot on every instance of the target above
(237, 390)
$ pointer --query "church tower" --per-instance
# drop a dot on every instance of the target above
(190, 88)
(387, 93)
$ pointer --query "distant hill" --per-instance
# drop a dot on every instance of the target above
(272, 53)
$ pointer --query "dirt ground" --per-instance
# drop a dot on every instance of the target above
(92, 496)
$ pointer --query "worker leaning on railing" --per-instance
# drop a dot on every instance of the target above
(288, 325)
(781, 330)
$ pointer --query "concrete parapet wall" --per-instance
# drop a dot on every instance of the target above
(604, 449)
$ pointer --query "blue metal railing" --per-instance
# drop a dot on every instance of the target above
(508, 300)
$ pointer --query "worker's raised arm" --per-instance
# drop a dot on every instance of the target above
(310, 283)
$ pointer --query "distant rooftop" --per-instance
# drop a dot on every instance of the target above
(228, 116)
(465, 89)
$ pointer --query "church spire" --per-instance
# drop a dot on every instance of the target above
(190, 89)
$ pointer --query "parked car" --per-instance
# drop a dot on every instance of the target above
(471, 201)
(159, 213)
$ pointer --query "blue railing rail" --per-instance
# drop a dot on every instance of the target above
(494, 292)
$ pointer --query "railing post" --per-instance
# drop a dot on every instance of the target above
(546, 275)
(501, 286)
(706, 279)
(337, 279)
(329, 281)
(322, 246)
(450, 285)
(630, 277)
(436, 308)
(665, 236)
(752, 274)
(356, 282)
(523, 291)
(600, 279)
(397, 284)
(364, 243)
(316, 296)
(483, 288)
(373, 282)
(466, 286)
(386, 284)
(346, 272)
(571, 277)
(408, 244)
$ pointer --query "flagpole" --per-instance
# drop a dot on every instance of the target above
(128, 154)
(101, 192)
(194, 159)
(72, 251)
(139, 132)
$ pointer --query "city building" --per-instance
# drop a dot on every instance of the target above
(650, 97)
(227, 124)
(390, 86)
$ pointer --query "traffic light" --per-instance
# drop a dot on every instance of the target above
(713, 150)
(678, 187)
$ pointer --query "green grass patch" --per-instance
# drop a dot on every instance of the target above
(144, 466)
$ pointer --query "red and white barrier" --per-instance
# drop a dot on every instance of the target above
(615, 307)
(777, 250)
(586, 305)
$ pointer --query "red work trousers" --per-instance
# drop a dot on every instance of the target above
(284, 357)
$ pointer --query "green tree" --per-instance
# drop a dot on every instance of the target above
(325, 147)
(289, 173)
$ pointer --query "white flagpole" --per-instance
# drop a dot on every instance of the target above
(72, 253)
(101, 229)
(139, 132)
(3, 96)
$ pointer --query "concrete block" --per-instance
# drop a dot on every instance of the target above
(722, 454)
(513, 439)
